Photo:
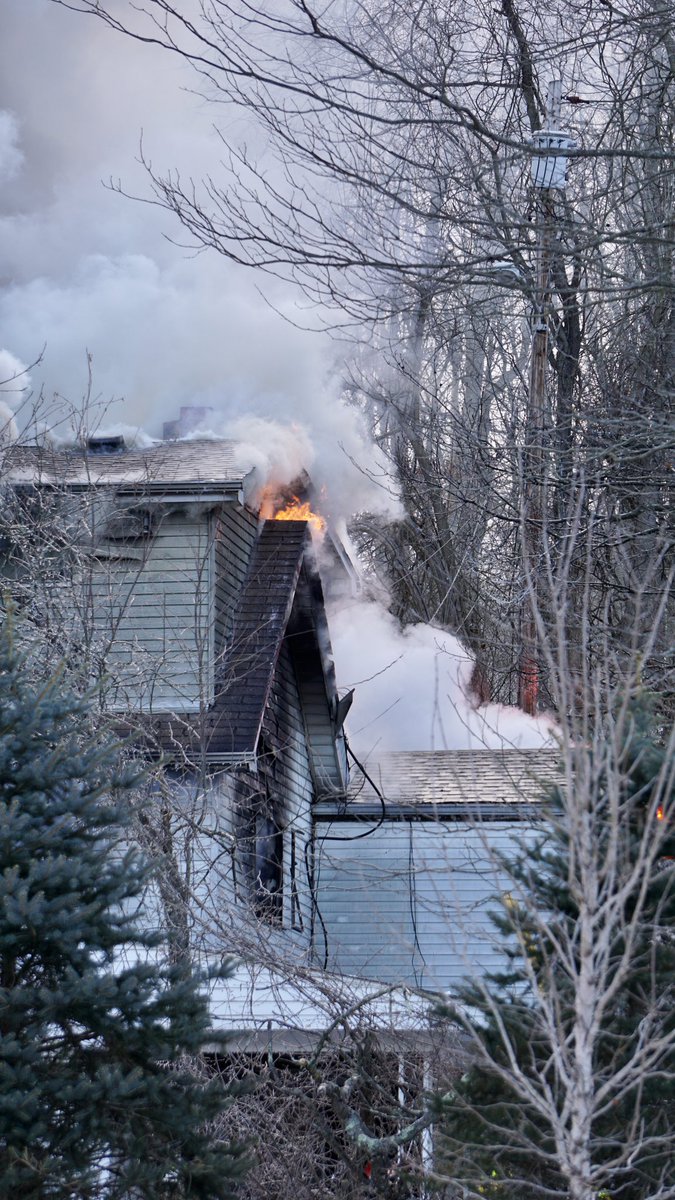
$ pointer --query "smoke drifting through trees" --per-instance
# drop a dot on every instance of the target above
(405, 203)
(415, 688)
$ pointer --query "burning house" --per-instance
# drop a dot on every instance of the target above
(203, 599)
(211, 624)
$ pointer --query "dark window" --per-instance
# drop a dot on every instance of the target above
(268, 869)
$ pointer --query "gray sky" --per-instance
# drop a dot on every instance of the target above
(83, 269)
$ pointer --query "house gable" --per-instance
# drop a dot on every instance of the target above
(254, 746)
(212, 628)
(141, 526)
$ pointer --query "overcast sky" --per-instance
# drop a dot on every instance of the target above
(83, 269)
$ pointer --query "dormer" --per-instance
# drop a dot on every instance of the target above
(277, 658)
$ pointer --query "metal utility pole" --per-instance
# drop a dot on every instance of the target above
(549, 169)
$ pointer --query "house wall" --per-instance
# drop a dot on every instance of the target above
(165, 603)
(327, 753)
(153, 613)
(222, 816)
(410, 903)
(283, 731)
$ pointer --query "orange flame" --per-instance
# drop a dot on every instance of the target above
(297, 510)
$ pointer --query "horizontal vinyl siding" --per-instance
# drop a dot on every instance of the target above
(192, 818)
(220, 882)
(411, 902)
(318, 724)
(154, 618)
(283, 729)
(214, 882)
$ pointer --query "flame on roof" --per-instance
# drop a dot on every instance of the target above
(298, 510)
(285, 506)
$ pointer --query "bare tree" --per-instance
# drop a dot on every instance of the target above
(376, 1100)
(398, 193)
(396, 190)
(571, 1090)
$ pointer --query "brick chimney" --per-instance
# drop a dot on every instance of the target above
(190, 419)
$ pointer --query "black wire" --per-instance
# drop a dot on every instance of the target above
(336, 838)
(412, 896)
(315, 905)
(355, 838)
(378, 793)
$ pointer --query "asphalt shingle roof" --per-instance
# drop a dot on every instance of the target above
(193, 461)
(448, 780)
(260, 623)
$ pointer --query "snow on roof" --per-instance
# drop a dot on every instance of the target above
(446, 780)
(194, 461)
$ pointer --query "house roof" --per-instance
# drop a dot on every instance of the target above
(229, 729)
(197, 462)
(445, 782)
(260, 623)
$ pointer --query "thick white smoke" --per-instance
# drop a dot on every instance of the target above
(91, 276)
(15, 382)
(277, 454)
(88, 272)
(15, 379)
(412, 688)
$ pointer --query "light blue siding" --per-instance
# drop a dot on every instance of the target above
(153, 616)
(411, 902)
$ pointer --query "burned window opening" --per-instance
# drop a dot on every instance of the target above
(260, 851)
(268, 867)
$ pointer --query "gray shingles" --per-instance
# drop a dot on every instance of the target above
(260, 624)
(450, 779)
(198, 460)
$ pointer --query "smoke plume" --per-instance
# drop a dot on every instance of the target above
(95, 280)
(413, 690)
(132, 326)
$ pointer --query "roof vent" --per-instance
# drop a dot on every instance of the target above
(112, 444)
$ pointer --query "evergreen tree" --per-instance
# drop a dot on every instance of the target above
(98, 1037)
(535, 1114)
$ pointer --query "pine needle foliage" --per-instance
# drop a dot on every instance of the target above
(98, 1093)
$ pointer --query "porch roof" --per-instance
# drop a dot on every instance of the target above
(445, 782)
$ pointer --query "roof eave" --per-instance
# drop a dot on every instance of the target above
(474, 811)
